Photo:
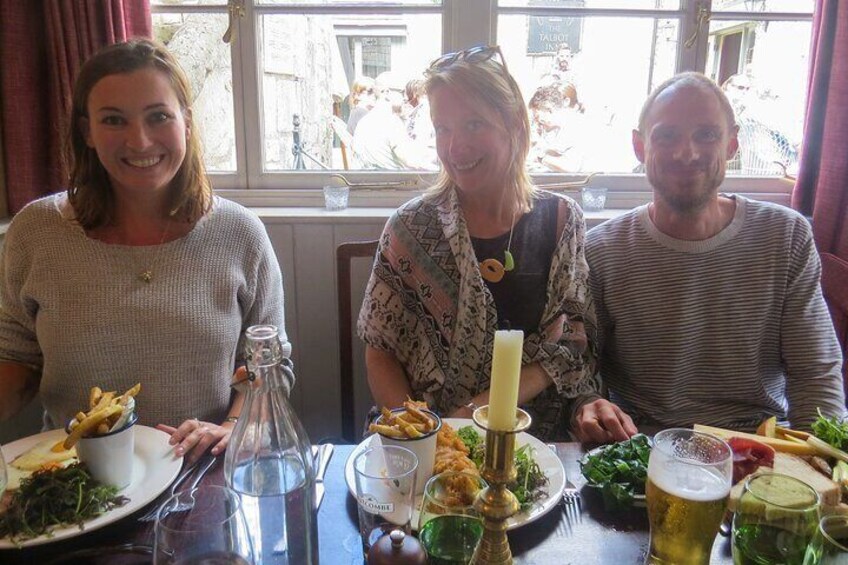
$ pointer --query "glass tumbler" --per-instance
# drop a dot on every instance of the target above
(385, 491)
(830, 542)
(202, 526)
(336, 197)
(449, 527)
(593, 198)
(775, 519)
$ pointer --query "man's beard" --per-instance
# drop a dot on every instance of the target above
(687, 203)
(690, 199)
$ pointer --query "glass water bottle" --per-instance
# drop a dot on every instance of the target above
(269, 459)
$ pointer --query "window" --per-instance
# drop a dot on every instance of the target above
(277, 111)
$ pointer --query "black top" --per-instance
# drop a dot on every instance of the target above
(521, 294)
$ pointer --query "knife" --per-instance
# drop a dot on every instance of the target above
(321, 455)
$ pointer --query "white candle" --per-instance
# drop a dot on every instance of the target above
(506, 372)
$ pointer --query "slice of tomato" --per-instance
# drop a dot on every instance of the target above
(748, 456)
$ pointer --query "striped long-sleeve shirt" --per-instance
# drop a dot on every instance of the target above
(726, 331)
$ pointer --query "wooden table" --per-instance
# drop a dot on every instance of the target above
(586, 538)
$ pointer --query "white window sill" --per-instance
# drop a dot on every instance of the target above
(361, 215)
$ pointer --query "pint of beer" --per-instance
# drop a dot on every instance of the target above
(689, 478)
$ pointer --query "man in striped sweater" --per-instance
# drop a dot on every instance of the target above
(709, 304)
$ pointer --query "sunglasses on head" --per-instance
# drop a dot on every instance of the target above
(476, 54)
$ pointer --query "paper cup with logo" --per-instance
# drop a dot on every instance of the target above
(423, 447)
(109, 457)
(385, 491)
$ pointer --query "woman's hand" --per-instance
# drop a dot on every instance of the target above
(193, 437)
(601, 421)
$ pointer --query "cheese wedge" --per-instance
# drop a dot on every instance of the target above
(778, 444)
(794, 466)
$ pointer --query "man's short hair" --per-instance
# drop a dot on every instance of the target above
(693, 79)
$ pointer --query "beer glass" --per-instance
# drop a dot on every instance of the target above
(830, 542)
(689, 478)
(775, 519)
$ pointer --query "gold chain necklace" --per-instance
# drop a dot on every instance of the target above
(147, 274)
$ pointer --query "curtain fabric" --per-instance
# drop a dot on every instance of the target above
(42, 46)
(822, 187)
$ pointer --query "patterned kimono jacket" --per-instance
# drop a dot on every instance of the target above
(427, 304)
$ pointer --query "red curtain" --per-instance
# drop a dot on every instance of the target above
(822, 187)
(42, 45)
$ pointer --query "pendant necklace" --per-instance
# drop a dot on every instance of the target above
(147, 274)
(493, 270)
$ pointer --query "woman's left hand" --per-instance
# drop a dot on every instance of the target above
(193, 437)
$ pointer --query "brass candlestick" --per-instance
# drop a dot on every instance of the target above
(496, 503)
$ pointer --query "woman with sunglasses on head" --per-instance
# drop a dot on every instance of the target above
(136, 273)
(483, 250)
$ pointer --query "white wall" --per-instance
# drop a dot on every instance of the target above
(306, 249)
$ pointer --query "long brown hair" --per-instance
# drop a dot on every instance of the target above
(89, 188)
(498, 99)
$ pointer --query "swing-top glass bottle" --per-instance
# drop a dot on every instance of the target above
(269, 459)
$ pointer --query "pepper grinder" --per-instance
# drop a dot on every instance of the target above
(397, 548)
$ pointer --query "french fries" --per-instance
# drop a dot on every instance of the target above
(410, 424)
(104, 410)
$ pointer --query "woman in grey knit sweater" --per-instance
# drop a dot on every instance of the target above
(137, 273)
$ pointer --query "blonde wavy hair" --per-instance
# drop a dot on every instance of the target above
(476, 75)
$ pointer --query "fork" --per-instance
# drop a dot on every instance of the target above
(570, 494)
(207, 461)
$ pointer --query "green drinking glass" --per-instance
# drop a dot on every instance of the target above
(449, 527)
(775, 520)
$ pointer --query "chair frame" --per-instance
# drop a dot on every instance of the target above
(345, 252)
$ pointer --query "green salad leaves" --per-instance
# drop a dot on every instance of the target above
(56, 497)
(530, 479)
(831, 430)
(474, 442)
(619, 470)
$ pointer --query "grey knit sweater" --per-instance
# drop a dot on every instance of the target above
(727, 331)
(74, 308)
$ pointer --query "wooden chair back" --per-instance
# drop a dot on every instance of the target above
(345, 252)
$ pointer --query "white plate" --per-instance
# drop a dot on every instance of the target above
(639, 500)
(547, 460)
(154, 468)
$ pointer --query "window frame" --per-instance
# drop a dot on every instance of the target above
(464, 23)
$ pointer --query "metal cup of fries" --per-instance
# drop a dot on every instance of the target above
(105, 436)
(414, 428)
